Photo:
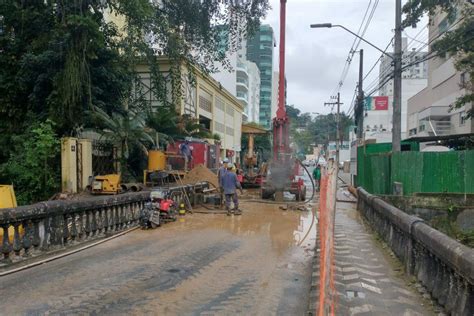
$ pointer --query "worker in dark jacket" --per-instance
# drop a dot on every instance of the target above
(187, 153)
(230, 183)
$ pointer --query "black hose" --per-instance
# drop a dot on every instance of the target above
(311, 178)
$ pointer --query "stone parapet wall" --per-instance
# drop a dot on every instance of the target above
(443, 265)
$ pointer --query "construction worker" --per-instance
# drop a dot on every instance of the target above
(317, 176)
(230, 183)
(220, 174)
(187, 152)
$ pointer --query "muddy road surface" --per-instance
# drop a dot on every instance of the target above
(254, 264)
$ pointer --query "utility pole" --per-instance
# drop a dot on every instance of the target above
(360, 99)
(397, 80)
(338, 134)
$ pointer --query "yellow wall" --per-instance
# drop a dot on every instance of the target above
(69, 164)
(86, 161)
(7, 196)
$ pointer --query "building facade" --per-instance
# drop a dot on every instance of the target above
(242, 79)
(429, 111)
(260, 51)
(378, 123)
(204, 98)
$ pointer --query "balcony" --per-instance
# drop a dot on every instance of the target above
(241, 95)
(433, 127)
(242, 81)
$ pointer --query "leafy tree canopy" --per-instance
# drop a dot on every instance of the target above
(457, 41)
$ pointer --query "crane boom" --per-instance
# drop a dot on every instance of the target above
(281, 122)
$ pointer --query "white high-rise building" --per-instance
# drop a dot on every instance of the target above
(243, 81)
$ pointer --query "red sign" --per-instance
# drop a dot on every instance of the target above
(380, 103)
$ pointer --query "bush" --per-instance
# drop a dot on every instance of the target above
(34, 166)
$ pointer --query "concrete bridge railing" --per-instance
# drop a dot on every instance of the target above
(443, 265)
(52, 225)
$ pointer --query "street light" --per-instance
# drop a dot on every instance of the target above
(329, 25)
(397, 72)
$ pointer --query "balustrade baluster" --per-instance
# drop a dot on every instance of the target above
(81, 225)
(100, 220)
(27, 237)
(94, 222)
(106, 220)
(16, 239)
(117, 217)
(126, 216)
(6, 246)
(122, 216)
(65, 229)
(73, 227)
(87, 228)
(36, 236)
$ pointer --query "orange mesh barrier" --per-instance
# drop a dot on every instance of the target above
(327, 201)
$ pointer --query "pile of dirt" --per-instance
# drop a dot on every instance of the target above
(199, 174)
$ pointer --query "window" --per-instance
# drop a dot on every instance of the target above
(462, 118)
(220, 104)
(462, 80)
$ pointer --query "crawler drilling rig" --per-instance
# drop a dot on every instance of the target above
(284, 167)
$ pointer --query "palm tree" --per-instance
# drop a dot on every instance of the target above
(124, 129)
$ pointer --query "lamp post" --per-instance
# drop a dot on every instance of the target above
(397, 73)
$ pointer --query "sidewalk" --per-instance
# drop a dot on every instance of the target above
(368, 281)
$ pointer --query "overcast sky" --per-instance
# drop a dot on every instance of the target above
(315, 58)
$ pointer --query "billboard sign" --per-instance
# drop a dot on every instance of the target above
(376, 103)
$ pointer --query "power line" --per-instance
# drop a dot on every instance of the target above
(356, 43)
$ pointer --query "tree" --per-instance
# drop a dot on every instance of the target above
(60, 60)
(33, 167)
(458, 41)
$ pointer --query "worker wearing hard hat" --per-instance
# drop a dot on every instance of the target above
(230, 183)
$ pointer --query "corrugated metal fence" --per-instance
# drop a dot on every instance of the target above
(434, 172)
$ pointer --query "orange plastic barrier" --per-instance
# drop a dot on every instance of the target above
(327, 203)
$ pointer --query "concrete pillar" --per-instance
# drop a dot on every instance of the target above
(69, 164)
(86, 162)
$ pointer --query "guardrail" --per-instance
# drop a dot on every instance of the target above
(55, 224)
(443, 265)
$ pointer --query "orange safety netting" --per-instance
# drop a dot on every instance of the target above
(327, 291)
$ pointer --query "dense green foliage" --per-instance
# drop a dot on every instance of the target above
(457, 41)
(68, 62)
(306, 131)
(34, 167)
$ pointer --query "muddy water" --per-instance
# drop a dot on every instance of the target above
(254, 264)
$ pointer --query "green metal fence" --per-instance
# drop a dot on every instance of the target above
(434, 172)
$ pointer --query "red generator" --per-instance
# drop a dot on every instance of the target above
(202, 153)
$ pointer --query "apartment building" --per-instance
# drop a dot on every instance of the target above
(260, 51)
(378, 121)
(429, 111)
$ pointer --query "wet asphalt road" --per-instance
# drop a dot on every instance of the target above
(254, 264)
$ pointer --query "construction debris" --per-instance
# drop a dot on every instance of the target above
(199, 174)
